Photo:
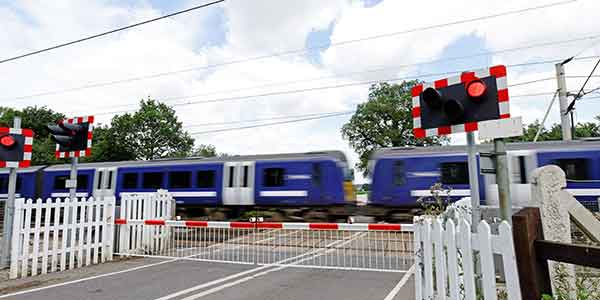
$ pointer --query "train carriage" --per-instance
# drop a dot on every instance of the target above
(402, 175)
(240, 183)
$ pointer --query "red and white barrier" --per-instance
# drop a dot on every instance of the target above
(270, 225)
(369, 247)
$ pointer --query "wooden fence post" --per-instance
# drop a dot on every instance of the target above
(534, 277)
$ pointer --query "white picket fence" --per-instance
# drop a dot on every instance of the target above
(60, 234)
(447, 257)
(145, 206)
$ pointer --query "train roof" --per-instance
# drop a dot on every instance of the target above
(332, 154)
(22, 170)
(576, 145)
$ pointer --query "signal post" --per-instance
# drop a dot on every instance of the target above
(15, 152)
(73, 139)
(472, 101)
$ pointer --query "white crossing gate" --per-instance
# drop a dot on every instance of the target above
(60, 234)
(146, 206)
(447, 257)
(365, 247)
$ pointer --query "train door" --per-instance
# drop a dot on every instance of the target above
(238, 183)
(105, 182)
(521, 164)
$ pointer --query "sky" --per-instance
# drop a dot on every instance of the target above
(225, 53)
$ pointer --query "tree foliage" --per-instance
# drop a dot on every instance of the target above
(150, 133)
(205, 150)
(384, 120)
(554, 133)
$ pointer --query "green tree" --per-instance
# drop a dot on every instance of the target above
(554, 133)
(106, 147)
(35, 118)
(385, 120)
(150, 133)
(205, 150)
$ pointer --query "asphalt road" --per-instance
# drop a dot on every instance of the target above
(158, 279)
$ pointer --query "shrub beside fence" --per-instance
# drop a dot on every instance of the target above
(61, 234)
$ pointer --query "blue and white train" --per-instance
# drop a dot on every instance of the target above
(312, 181)
(317, 185)
(403, 175)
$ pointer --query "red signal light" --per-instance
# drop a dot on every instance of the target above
(7, 141)
(476, 89)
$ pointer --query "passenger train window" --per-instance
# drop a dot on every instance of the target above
(522, 170)
(205, 179)
(110, 176)
(231, 175)
(245, 177)
(130, 180)
(152, 180)
(455, 173)
(574, 168)
(316, 174)
(60, 182)
(180, 180)
(398, 173)
(100, 175)
(82, 182)
(273, 177)
(4, 184)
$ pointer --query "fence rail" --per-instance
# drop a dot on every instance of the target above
(60, 234)
(448, 255)
(374, 247)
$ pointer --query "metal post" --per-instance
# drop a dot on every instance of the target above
(503, 180)
(9, 211)
(565, 121)
(73, 189)
(473, 181)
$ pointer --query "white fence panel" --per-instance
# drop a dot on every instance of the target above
(448, 254)
(60, 234)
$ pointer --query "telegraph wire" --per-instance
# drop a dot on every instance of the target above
(272, 123)
(272, 118)
(109, 32)
(580, 93)
(311, 89)
(297, 51)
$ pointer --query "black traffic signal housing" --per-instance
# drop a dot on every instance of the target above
(465, 99)
(70, 138)
(15, 147)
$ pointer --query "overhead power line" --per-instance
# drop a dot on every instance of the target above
(272, 123)
(303, 50)
(272, 118)
(580, 93)
(108, 32)
(311, 89)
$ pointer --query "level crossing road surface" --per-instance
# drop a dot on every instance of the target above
(304, 273)
(163, 279)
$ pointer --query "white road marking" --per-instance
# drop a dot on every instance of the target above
(210, 283)
(86, 279)
(242, 280)
(93, 277)
(400, 284)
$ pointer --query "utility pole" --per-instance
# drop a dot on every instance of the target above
(503, 180)
(9, 211)
(73, 182)
(565, 119)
